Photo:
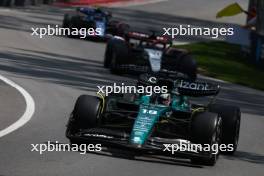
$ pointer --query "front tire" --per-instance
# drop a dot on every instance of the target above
(231, 116)
(206, 129)
(85, 115)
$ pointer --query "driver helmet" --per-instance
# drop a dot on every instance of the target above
(165, 99)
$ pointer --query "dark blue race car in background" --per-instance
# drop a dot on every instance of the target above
(95, 20)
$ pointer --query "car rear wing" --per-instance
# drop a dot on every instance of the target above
(148, 38)
(178, 84)
(197, 88)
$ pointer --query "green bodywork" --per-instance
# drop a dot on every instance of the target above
(149, 115)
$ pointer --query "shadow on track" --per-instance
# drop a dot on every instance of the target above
(121, 153)
(87, 74)
(60, 69)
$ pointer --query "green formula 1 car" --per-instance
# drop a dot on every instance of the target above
(160, 123)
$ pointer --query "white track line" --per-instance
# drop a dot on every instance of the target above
(30, 108)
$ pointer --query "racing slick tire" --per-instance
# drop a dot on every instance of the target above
(66, 21)
(181, 61)
(73, 22)
(85, 115)
(231, 117)
(122, 28)
(116, 50)
(206, 128)
(117, 28)
(108, 54)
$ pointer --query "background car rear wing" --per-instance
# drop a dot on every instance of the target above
(148, 38)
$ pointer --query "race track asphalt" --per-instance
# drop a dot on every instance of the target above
(12, 105)
(56, 70)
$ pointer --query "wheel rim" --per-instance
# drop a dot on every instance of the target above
(216, 138)
(100, 111)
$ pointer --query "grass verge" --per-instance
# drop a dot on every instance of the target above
(226, 62)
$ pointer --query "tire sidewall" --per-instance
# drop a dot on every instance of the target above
(86, 112)
(204, 129)
(231, 117)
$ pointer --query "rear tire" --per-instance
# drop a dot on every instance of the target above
(181, 61)
(122, 29)
(231, 116)
(117, 28)
(74, 22)
(108, 54)
(116, 51)
(206, 129)
(66, 21)
(114, 66)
